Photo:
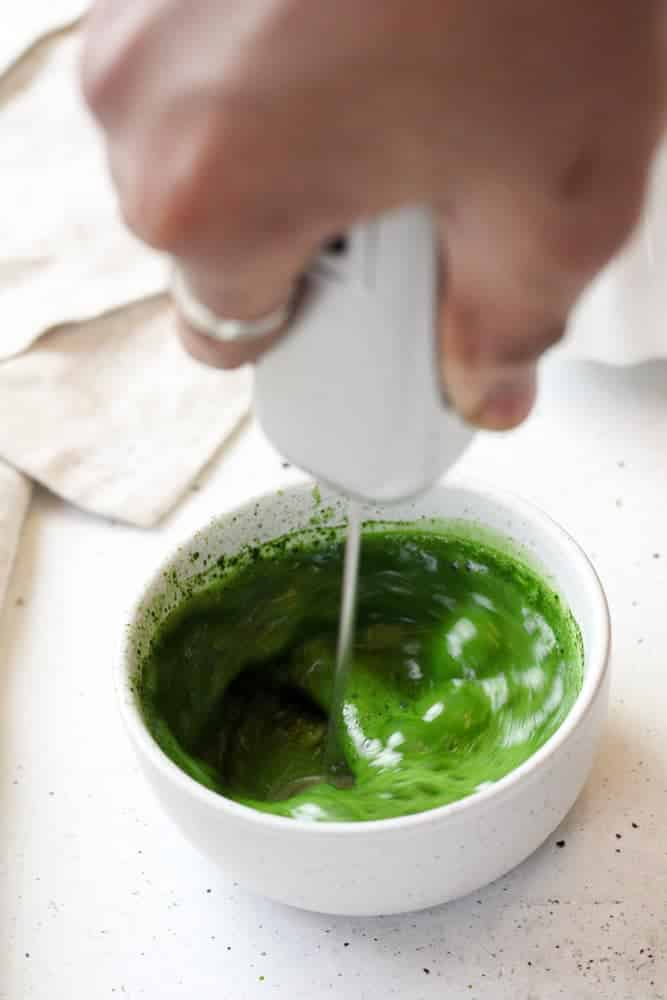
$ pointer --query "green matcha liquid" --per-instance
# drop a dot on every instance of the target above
(463, 663)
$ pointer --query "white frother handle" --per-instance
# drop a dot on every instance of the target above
(352, 394)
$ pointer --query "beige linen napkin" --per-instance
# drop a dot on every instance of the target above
(65, 254)
(114, 416)
(97, 400)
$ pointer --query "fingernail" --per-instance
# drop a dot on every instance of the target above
(507, 403)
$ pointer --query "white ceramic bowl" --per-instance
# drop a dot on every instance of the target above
(394, 865)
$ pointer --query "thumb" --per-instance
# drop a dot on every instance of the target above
(489, 355)
(495, 321)
(515, 260)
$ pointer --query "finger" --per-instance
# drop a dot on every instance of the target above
(244, 267)
(514, 264)
(203, 345)
(490, 365)
(491, 339)
(217, 355)
(242, 238)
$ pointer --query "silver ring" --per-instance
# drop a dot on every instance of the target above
(220, 328)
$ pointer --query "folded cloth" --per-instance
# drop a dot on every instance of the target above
(114, 416)
(26, 22)
(15, 492)
(97, 400)
(65, 254)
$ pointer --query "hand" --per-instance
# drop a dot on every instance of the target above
(244, 133)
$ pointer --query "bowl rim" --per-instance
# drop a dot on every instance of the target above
(597, 665)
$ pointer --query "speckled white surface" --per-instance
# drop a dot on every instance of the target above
(99, 895)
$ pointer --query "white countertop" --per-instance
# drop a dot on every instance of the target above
(101, 897)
